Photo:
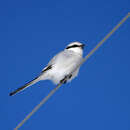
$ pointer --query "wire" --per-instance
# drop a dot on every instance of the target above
(86, 58)
(38, 106)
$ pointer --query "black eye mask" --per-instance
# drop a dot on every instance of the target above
(73, 46)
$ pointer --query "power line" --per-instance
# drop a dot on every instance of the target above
(86, 58)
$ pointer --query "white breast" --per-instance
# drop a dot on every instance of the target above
(63, 64)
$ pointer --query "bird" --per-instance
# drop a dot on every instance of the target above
(62, 68)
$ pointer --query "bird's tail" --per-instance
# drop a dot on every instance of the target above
(25, 86)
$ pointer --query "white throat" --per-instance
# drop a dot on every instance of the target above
(77, 50)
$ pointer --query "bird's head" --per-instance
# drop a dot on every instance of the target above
(77, 47)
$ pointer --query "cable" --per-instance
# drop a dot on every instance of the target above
(107, 36)
(86, 58)
(38, 106)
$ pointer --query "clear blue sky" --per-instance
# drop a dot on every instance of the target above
(31, 32)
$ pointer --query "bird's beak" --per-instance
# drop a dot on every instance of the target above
(82, 46)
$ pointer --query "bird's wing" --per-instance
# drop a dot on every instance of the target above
(46, 68)
(51, 63)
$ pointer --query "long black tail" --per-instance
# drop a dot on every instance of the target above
(25, 86)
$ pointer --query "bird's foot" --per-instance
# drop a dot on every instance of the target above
(64, 80)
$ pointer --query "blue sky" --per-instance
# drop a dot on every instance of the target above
(31, 32)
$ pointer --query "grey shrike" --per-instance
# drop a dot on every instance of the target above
(65, 65)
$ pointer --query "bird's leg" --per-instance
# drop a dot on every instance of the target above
(64, 80)
(69, 76)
